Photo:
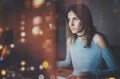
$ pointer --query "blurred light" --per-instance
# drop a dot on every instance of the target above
(41, 76)
(1, 46)
(13, 75)
(22, 28)
(1, 30)
(112, 78)
(12, 45)
(51, 26)
(23, 34)
(32, 68)
(47, 45)
(22, 68)
(36, 30)
(3, 72)
(37, 3)
(41, 32)
(48, 19)
(1, 58)
(22, 40)
(23, 63)
(22, 22)
(45, 64)
(37, 20)
(40, 67)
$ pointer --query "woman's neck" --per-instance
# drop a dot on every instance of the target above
(80, 34)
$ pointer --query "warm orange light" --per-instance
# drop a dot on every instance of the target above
(37, 3)
(22, 68)
(48, 19)
(45, 64)
(22, 22)
(1, 30)
(41, 32)
(22, 40)
(22, 28)
(47, 45)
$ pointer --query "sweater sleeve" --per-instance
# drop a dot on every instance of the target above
(112, 69)
(65, 62)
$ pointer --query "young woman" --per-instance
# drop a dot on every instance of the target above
(87, 50)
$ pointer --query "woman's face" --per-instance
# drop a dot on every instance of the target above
(74, 22)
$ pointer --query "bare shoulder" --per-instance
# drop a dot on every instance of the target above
(100, 40)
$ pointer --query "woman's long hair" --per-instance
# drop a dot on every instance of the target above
(83, 12)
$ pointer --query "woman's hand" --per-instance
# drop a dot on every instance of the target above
(71, 77)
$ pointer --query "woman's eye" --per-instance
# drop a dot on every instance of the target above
(76, 18)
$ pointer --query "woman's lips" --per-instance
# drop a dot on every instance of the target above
(73, 29)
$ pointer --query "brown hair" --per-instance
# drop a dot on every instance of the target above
(83, 12)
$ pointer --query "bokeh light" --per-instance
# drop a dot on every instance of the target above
(22, 22)
(112, 78)
(1, 30)
(12, 45)
(23, 63)
(22, 68)
(1, 46)
(22, 40)
(22, 28)
(35, 30)
(37, 20)
(1, 58)
(3, 72)
(37, 3)
(32, 68)
(48, 19)
(47, 45)
(41, 76)
(40, 67)
(45, 64)
(41, 32)
(23, 34)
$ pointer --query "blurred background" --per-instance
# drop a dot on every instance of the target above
(33, 34)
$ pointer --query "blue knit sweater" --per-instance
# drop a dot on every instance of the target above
(91, 60)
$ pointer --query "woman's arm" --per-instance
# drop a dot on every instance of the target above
(112, 69)
(67, 60)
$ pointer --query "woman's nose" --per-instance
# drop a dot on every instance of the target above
(71, 23)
